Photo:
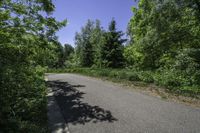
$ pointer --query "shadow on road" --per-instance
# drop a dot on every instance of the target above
(74, 110)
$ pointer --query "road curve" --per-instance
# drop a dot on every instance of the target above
(89, 105)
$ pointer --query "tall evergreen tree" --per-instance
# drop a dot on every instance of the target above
(112, 47)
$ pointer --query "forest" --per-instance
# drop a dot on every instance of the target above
(161, 46)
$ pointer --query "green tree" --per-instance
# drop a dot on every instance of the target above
(68, 50)
(69, 56)
(160, 28)
(112, 47)
(166, 39)
(27, 44)
(84, 46)
(97, 40)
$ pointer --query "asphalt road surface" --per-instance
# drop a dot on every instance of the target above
(89, 105)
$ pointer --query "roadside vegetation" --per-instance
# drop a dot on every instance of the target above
(162, 47)
(28, 46)
(131, 77)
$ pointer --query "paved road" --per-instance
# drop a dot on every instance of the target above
(90, 105)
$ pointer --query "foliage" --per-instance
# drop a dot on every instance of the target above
(27, 45)
(84, 46)
(98, 48)
(68, 50)
(112, 49)
(163, 46)
(165, 39)
(64, 55)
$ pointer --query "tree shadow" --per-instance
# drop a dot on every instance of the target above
(74, 110)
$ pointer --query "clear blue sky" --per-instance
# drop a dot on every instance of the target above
(77, 12)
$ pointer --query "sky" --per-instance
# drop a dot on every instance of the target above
(77, 12)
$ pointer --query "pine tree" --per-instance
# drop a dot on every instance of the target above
(112, 47)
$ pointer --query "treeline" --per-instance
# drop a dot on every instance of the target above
(163, 43)
(96, 47)
(93, 46)
(27, 46)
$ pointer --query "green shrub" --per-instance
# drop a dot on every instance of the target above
(146, 76)
(103, 73)
(113, 74)
(23, 98)
(195, 89)
(177, 81)
(122, 74)
(167, 78)
(133, 76)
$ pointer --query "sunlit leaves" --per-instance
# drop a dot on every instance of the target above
(165, 38)
(27, 46)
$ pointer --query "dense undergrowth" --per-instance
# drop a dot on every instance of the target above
(23, 108)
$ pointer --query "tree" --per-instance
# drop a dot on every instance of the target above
(84, 46)
(161, 28)
(112, 47)
(97, 40)
(166, 38)
(68, 50)
(27, 44)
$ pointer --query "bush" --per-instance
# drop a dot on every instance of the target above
(23, 98)
(103, 73)
(146, 76)
(122, 74)
(177, 81)
(133, 76)
(166, 78)
(113, 74)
